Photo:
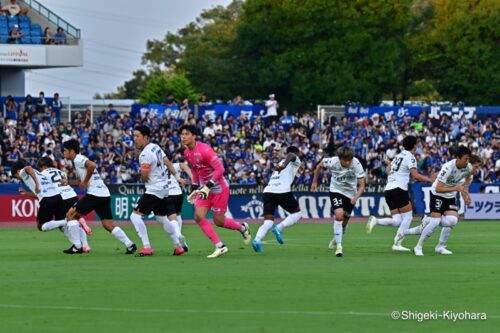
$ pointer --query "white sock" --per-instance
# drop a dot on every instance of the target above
(51, 225)
(121, 236)
(170, 229)
(83, 237)
(394, 221)
(337, 232)
(65, 231)
(74, 233)
(176, 227)
(179, 222)
(263, 230)
(428, 230)
(289, 221)
(404, 226)
(445, 233)
(140, 227)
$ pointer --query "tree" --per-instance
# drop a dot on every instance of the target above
(168, 82)
(460, 51)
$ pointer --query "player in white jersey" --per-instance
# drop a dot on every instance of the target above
(96, 199)
(278, 192)
(59, 179)
(453, 178)
(396, 192)
(154, 164)
(347, 184)
(51, 214)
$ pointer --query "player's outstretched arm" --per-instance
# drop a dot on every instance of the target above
(24, 192)
(185, 167)
(361, 190)
(29, 170)
(418, 176)
(290, 157)
(442, 188)
(388, 167)
(172, 170)
(90, 166)
(317, 170)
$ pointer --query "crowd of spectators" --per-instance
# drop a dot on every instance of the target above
(249, 149)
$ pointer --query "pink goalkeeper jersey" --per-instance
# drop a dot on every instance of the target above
(205, 166)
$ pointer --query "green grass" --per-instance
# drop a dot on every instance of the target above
(298, 287)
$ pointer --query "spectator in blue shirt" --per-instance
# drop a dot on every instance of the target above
(60, 37)
(112, 113)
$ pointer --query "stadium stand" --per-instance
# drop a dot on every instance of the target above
(249, 150)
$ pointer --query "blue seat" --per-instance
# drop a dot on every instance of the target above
(24, 19)
(36, 33)
(13, 19)
(36, 26)
(26, 40)
(25, 25)
(26, 32)
(3, 19)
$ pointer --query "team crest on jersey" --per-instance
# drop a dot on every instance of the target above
(254, 207)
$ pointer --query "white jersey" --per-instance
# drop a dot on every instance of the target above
(96, 184)
(55, 176)
(281, 182)
(173, 185)
(47, 189)
(399, 177)
(344, 180)
(157, 184)
(451, 176)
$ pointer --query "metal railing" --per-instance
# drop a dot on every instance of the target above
(52, 18)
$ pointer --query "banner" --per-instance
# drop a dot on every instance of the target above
(483, 206)
(414, 111)
(23, 208)
(22, 55)
(247, 203)
(211, 112)
(122, 205)
(312, 205)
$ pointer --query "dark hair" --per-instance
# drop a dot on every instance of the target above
(45, 162)
(293, 149)
(345, 153)
(409, 142)
(462, 150)
(18, 165)
(72, 145)
(144, 130)
(474, 159)
(190, 128)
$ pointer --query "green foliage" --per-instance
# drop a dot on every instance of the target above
(462, 51)
(332, 51)
(161, 84)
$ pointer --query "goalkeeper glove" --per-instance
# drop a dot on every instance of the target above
(205, 190)
(192, 197)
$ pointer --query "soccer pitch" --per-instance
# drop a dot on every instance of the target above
(298, 287)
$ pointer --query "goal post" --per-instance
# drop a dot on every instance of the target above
(325, 113)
